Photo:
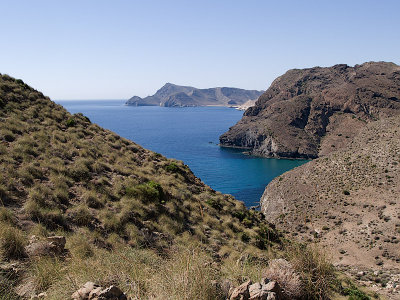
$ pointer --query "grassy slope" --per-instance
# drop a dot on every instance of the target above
(61, 174)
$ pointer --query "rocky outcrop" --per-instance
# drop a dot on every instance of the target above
(311, 112)
(171, 95)
(263, 290)
(92, 291)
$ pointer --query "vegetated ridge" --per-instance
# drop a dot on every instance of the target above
(311, 112)
(349, 202)
(80, 203)
(171, 95)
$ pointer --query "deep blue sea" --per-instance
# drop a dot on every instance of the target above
(189, 134)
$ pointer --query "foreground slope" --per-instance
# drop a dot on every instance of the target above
(60, 174)
(311, 112)
(171, 95)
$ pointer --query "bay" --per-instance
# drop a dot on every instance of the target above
(189, 134)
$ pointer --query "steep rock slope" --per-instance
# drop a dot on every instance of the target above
(311, 112)
(348, 200)
(171, 95)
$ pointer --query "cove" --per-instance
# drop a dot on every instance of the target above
(189, 134)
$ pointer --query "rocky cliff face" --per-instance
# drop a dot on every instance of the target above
(171, 95)
(311, 112)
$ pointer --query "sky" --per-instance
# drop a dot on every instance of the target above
(98, 49)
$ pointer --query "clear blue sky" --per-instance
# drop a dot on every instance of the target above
(96, 49)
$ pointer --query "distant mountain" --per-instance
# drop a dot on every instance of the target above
(171, 95)
(311, 112)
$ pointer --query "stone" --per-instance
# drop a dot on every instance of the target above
(272, 296)
(257, 293)
(83, 292)
(111, 292)
(241, 292)
(53, 246)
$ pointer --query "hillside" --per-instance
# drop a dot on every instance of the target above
(171, 95)
(348, 201)
(117, 204)
(311, 112)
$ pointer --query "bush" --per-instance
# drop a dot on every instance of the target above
(6, 216)
(148, 192)
(281, 271)
(70, 122)
(45, 271)
(315, 269)
(12, 243)
(172, 167)
(346, 192)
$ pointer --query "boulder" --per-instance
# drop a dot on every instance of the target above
(241, 292)
(53, 246)
(91, 291)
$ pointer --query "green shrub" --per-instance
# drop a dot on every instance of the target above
(172, 167)
(147, 192)
(70, 122)
(346, 192)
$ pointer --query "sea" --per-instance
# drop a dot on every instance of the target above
(190, 134)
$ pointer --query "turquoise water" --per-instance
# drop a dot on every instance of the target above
(190, 134)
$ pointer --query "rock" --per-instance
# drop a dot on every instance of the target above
(226, 285)
(11, 270)
(241, 292)
(40, 296)
(272, 296)
(91, 291)
(272, 286)
(111, 292)
(257, 292)
(54, 246)
(83, 292)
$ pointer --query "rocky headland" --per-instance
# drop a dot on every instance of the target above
(311, 112)
(171, 95)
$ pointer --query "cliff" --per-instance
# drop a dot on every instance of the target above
(311, 112)
(171, 95)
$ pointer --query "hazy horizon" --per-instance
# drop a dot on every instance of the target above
(115, 50)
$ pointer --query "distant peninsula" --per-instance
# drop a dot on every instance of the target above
(171, 95)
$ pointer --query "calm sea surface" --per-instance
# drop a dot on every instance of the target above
(189, 134)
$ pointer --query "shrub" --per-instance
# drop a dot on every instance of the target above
(12, 243)
(80, 246)
(172, 167)
(148, 192)
(70, 122)
(6, 216)
(281, 271)
(315, 269)
(8, 136)
(80, 215)
(346, 192)
(7, 289)
(45, 271)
